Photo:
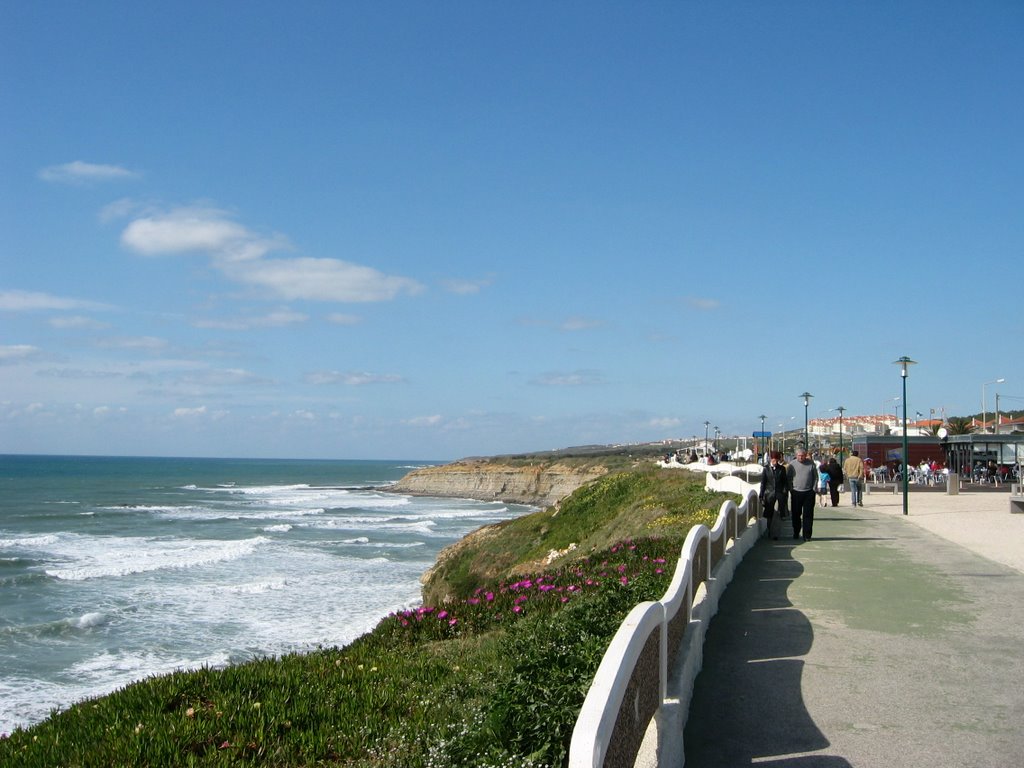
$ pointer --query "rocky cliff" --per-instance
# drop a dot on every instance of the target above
(541, 484)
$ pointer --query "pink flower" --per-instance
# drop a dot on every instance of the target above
(517, 609)
(443, 615)
(453, 622)
(624, 580)
(489, 596)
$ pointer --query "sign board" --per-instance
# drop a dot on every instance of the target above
(762, 434)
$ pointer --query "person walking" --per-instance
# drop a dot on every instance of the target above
(774, 493)
(803, 476)
(853, 468)
(822, 483)
(835, 479)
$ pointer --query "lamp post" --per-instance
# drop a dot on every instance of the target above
(717, 433)
(840, 408)
(807, 402)
(706, 425)
(761, 441)
(983, 414)
(904, 363)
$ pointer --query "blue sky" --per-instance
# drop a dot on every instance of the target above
(433, 230)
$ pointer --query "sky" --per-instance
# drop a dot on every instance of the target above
(436, 230)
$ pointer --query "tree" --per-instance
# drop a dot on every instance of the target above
(959, 425)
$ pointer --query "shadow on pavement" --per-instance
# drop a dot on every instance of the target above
(747, 702)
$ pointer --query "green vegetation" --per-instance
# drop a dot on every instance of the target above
(493, 677)
(960, 425)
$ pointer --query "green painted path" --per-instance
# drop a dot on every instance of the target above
(876, 644)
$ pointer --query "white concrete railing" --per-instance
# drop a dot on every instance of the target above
(730, 484)
(636, 708)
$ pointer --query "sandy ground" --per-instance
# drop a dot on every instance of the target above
(979, 520)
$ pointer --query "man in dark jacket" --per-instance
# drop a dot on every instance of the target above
(774, 493)
(835, 479)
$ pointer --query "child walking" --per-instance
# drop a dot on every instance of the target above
(822, 485)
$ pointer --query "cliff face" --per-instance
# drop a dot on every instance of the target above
(542, 484)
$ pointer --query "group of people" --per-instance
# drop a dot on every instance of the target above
(794, 486)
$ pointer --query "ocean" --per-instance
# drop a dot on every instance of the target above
(116, 569)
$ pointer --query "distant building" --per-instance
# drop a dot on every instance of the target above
(887, 450)
(966, 451)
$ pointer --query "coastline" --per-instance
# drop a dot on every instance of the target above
(539, 484)
(241, 555)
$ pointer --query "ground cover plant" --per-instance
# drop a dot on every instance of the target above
(493, 676)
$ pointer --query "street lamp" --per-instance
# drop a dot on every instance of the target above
(807, 401)
(840, 408)
(983, 414)
(761, 441)
(716, 439)
(706, 425)
(904, 363)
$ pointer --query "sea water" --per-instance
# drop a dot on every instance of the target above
(115, 569)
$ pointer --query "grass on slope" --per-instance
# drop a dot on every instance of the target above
(614, 507)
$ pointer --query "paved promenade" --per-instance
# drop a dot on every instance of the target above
(885, 641)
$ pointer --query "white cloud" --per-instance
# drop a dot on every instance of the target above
(575, 379)
(277, 319)
(465, 287)
(186, 413)
(17, 352)
(186, 229)
(665, 422)
(222, 377)
(424, 421)
(705, 305)
(352, 378)
(77, 321)
(320, 279)
(240, 254)
(134, 342)
(579, 324)
(78, 172)
(340, 318)
(102, 411)
(119, 209)
(9, 410)
(569, 325)
(30, 301)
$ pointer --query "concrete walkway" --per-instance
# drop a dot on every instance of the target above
(886, 641)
